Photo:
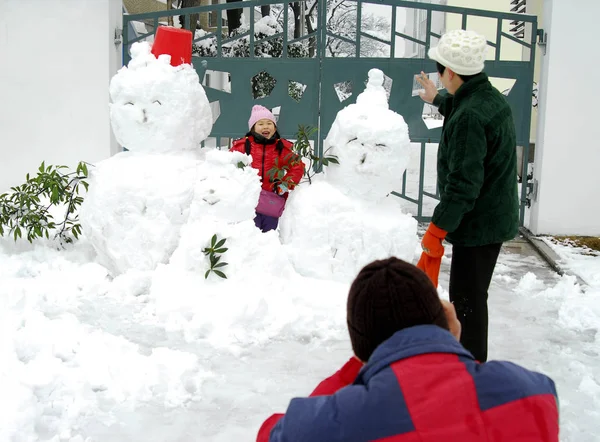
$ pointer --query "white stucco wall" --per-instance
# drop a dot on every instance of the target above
(567, 155)
(57, 58)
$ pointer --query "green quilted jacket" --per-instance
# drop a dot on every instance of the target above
(477, 166)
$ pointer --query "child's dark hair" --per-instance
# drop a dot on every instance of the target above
(441, 69)
(278, 144)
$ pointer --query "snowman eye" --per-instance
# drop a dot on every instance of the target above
(129, 103)
(156, 101)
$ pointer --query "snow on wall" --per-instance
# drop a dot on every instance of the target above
(54, 83)
(567, 154)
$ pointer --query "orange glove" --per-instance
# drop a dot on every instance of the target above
(432, 241)
(431, 266)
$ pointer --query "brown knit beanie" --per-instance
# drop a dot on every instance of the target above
(388, 296)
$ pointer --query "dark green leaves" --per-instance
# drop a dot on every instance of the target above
(302, 148)
(214, 253)
(26, 209)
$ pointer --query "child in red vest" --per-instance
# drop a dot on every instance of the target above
(265, 145)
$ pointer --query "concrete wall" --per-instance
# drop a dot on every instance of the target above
(567, 156)
(57, 60)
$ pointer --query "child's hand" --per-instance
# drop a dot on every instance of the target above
(281, 189)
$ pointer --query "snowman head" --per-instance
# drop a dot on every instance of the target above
(227, 187)
(156, 106)
(371, 143)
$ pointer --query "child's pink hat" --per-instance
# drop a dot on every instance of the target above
(259, 113)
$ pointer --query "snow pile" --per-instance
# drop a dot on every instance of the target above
(329, 235)
(261, 295)
(60, 373)
(334, 227)
(529, 283)
(585, 263)
(135, 208)
(157, 107)
(267, 26)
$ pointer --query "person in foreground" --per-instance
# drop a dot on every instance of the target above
(419, 384)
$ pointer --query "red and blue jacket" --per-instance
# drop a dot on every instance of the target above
(421, 385)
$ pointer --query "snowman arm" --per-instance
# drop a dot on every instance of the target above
(444, 103)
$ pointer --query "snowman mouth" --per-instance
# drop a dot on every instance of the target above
(211, 200)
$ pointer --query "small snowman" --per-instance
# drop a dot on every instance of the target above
(139, 200)
(347, 218)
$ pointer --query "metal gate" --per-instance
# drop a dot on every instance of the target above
(330, 80)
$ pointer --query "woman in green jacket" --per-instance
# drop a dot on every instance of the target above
(477, 179)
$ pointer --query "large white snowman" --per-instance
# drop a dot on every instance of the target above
(139, 200)
(347, 218)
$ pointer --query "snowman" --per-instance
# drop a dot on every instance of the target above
(347, 218)
(139, 200)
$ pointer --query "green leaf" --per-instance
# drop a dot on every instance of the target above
(220, 273)
(206, 274)
(213, 240)
(213, 260)
(222, 250)
(207, 251)
(42, 167)
(54, 197)
(221, 264)
(220, 244)
(333, 160)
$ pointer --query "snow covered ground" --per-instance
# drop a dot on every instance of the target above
(584, 263)
(84, 358)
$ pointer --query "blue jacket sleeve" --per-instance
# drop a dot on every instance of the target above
(307, 420)
(337, 417)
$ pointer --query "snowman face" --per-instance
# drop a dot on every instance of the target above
(223, 190)
(373, 150)
(157, 107)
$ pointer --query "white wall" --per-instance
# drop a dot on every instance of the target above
(567, 156)
(57, 58)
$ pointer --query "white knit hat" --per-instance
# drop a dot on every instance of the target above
(461, 51)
